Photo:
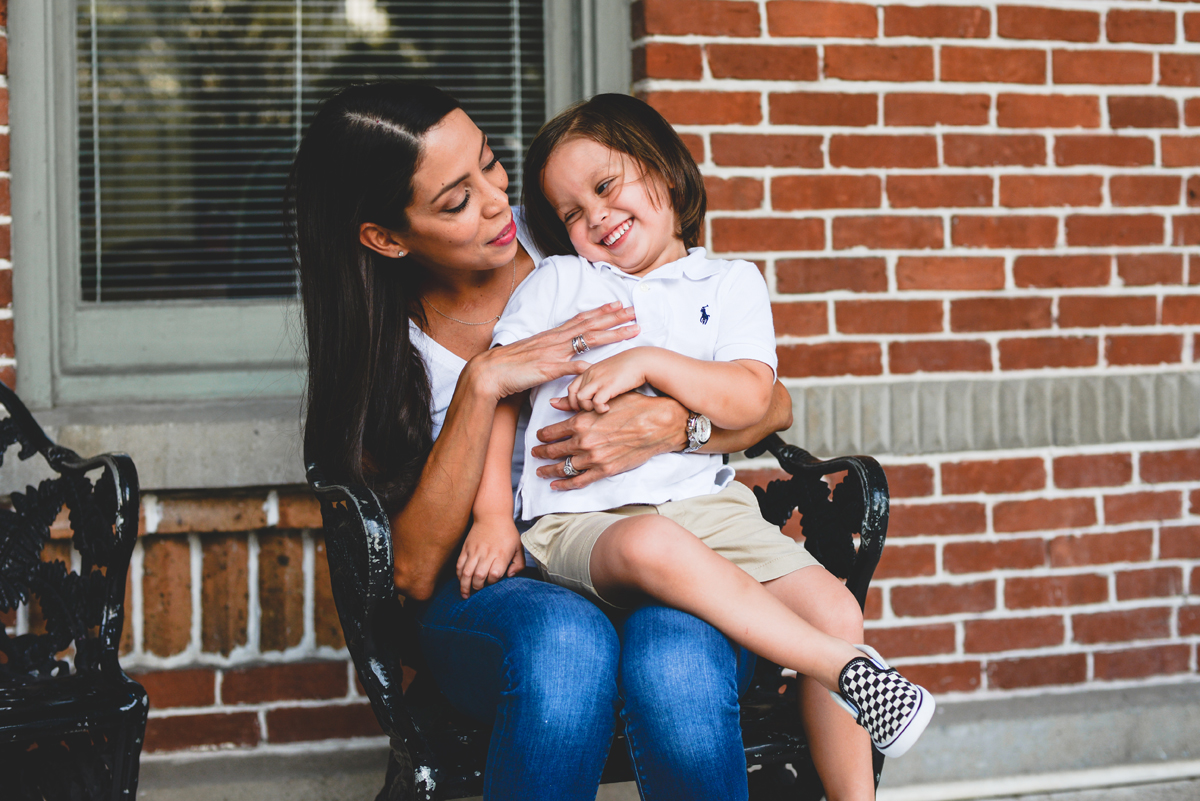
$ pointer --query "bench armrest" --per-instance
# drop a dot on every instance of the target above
(858, 505)
(379, 635)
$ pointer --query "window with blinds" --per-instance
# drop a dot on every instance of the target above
(189, 112)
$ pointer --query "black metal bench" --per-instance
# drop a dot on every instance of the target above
(438, 753)
(71, 721)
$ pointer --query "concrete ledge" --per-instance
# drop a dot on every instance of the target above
(322, 772)
(1138, 739)
(1172, 779)
(226, 444)
(994, 412)
(312, 773)
(975, 740)
(181, 446)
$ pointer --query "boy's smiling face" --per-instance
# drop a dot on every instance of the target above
(613, 209)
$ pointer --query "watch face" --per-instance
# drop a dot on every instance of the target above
(703, 428)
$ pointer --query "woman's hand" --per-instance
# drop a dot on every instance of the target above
(491, 551)
(634, 428)
(543, 357)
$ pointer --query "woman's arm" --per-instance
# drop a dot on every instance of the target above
(428, 529)
(635, 428)
(733, 394)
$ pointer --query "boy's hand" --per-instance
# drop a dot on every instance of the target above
(596, 386)
(491, 551)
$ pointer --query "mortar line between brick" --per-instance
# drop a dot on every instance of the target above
(309, 639)
(136, 618)
(951, 88)
(253, 609)
(196, 575)
(261, 707)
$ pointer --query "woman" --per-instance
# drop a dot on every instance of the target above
(408, 251)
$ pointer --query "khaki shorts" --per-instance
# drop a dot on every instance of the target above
(728, 521)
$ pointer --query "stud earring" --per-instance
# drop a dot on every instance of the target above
(399, 254)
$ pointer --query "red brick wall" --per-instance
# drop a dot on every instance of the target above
(1024, 570)
(976, 190)
(969, 188)
(231, 625)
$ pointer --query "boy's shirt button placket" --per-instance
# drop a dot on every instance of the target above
(652, 316)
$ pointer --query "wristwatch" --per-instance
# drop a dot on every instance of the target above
(699, 429)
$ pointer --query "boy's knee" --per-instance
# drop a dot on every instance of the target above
(647, 543)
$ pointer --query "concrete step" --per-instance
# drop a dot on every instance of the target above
(1099, 745)
(1163, 791)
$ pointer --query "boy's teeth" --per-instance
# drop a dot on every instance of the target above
(615, 235)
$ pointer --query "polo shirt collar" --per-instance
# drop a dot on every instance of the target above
(695, 265)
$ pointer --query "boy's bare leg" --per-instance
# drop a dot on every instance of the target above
(841, 749)
(651, 555)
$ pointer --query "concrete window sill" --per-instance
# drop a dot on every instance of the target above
(209, 445)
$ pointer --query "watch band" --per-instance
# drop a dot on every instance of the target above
(699, 429)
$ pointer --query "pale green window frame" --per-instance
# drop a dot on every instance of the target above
(66, 353)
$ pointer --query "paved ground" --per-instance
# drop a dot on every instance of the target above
(1170, 791)
(1167, 791)
(351, 788)
(1078, 737)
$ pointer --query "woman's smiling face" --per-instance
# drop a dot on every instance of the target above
(459, 217)
(614, 210)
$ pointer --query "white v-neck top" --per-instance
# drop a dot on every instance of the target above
(444, 365)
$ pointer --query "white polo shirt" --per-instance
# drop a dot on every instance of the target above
(709, 309)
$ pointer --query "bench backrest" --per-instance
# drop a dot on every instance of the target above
(83, 607)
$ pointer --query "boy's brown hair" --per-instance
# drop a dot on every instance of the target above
(626, 125)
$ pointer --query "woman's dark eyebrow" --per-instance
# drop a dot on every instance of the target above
(448, 187)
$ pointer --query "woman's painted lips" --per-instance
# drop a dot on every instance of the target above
(507, 235)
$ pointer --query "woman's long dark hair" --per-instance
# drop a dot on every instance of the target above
(368, 391)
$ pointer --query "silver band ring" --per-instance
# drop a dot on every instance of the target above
(579, 344)
(569, 469)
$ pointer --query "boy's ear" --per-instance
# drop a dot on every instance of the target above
(382, 240)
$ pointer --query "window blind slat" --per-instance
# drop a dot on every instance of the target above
(189, 114)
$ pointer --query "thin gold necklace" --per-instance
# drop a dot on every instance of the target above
(511, 287)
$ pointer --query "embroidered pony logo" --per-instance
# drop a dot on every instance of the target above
(704, 315)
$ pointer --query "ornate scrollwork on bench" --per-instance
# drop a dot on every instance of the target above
(71, 721)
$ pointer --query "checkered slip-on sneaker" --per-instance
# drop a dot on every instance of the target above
(892, 709)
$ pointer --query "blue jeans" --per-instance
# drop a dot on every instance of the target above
(550, 669)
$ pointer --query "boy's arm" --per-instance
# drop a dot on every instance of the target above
(494, 498)
(778, 418)
(492, 548)
(733, 394)
(635, 429)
